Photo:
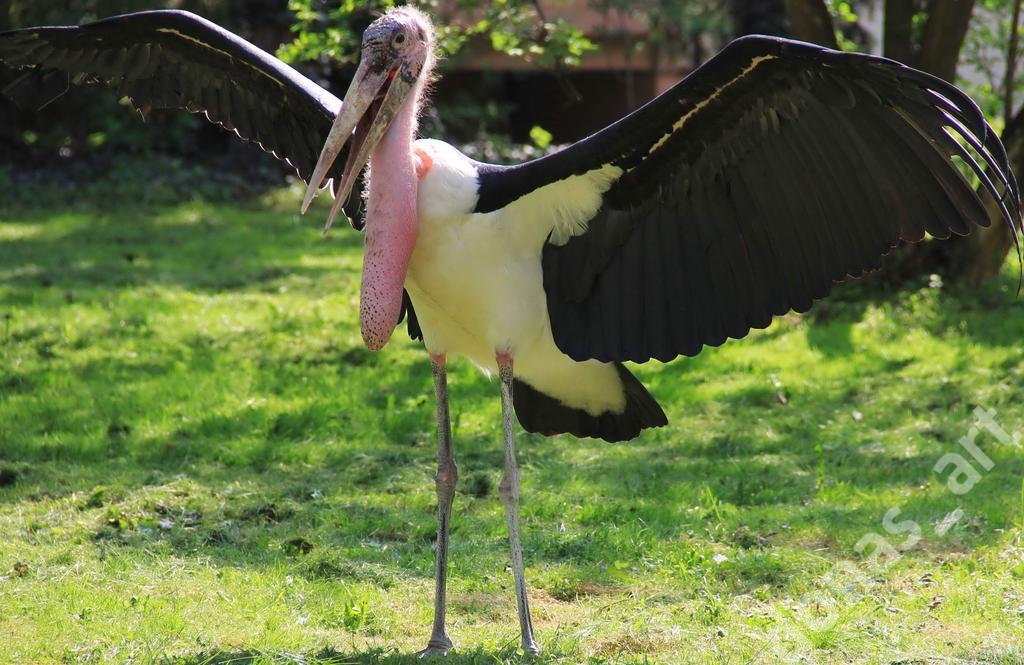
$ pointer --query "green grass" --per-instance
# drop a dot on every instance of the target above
(201, 464)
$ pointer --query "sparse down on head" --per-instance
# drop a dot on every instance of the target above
(396, 61)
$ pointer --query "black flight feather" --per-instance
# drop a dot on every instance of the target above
(174, 59)
(749, 188)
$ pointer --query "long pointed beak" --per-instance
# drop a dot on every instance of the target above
(365, 87)
(364, 143)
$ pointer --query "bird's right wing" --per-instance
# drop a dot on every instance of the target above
(771, 172)
(174, 59)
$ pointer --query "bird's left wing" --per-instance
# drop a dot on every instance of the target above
(174, 59)
(747, 190)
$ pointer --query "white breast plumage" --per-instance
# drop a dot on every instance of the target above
(476, 283)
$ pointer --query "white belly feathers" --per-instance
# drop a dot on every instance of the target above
(476, 284)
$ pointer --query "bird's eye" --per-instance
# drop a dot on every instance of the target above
(399, 39)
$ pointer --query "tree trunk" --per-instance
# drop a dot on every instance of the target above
(976, 257)
(944, 34)
(1012, 51)
(811, 22)
(982, 254)
(898, 37)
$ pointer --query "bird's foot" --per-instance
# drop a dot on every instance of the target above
(531, 648)
(437, 646)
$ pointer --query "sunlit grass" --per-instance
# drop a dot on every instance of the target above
(200, 463)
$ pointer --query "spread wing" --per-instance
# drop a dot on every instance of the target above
(748, 189)
(177, 60)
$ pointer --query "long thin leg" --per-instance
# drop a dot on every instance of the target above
(447, 475)
(510, 497)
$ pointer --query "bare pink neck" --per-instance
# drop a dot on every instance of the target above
(390, 228)
(395, 148)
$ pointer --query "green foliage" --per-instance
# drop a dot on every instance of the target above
(540, 137)
(332, 32)
(199, 463)
(844, 15)
(88, 126)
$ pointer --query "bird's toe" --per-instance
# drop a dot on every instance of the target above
(436, 648)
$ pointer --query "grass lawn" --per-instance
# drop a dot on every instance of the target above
(200, 463)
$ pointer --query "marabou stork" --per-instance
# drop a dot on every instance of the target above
(747, 190)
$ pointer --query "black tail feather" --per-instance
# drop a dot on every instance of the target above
(543, 414)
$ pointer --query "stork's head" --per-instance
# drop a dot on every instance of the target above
(397, 57)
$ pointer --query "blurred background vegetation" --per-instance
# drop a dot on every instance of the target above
(519, 77)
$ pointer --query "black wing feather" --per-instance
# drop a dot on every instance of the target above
(752, 186)
(177, 60)
(174, 59)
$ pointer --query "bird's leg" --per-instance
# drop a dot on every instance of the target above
(509, 489)
(447, 475)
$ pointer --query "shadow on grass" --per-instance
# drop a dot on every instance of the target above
(307, 519)
(322, 479)
(331, 656)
